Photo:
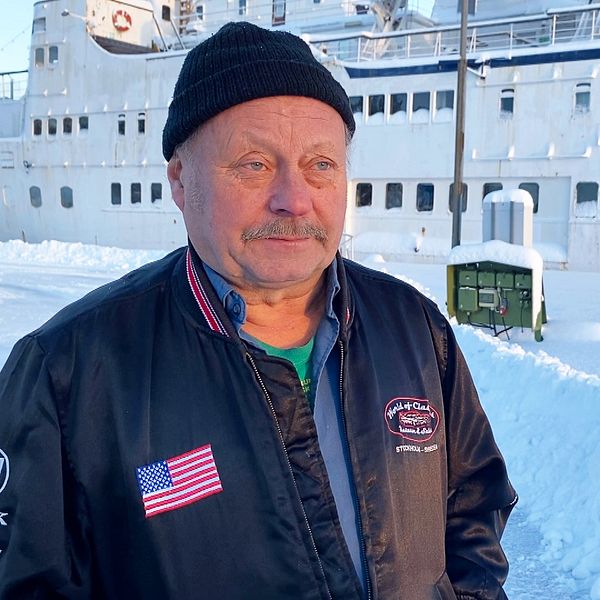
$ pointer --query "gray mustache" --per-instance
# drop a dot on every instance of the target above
(285, 228)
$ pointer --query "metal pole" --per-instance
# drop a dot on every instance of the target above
(459, 138)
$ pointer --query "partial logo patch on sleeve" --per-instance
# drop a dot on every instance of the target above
(175, 482)
(4, 470)
(413, 419)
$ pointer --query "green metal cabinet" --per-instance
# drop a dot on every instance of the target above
(496, 295)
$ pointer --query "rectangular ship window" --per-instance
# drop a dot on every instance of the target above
(136, 193)
(155, 192)
(534, 190)
(463, 200)
(421, 100)
(376, 104)
(278, 12)
(35, 196)
(444, 99)
(356, 104)
(444, 106)
(39, 25)
(53, 55)
(425, 197)
(115, 194)
(393, 195)
(507, 103)
(398, 107)
(586, 200)
(582, 98)
(490, 187)
(421, 104)
(39, 57)
(66, 197)
(364, 194)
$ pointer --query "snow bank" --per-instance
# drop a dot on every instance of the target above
(545, 414)
(403, 246)
(75, 255)
(395, 245)
(546, 418)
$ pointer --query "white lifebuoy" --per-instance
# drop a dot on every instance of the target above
(121, 20)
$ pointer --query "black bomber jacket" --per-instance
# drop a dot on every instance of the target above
(153, 455)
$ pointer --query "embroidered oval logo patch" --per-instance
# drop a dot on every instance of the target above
(411, 418)
(4, 470)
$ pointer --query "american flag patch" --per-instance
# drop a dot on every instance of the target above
(175, 482)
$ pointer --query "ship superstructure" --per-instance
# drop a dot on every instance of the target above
(80, 150)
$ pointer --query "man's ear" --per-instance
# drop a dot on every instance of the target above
(174, 168)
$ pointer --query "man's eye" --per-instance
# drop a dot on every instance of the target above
(322, 165)
(256, 165)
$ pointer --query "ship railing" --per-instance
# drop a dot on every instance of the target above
(13, 85)
(293, 15)
(346, 247)
(502, 37)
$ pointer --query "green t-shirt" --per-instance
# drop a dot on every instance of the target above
(300, 357)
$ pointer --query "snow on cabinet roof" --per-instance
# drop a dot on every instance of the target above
(497, 251)
(520, 196)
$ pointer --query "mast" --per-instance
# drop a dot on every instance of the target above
(459, 139)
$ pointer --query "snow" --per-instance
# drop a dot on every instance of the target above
(510, 195)
(420, 115)
(586, 209)
(437, 249)
(444, 115)
(497, 251)
(398, 117)
(376, 119)
(393, 244)
(542, 397)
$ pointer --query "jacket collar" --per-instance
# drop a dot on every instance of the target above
(199, 292)
(213, 314)
(343, 304)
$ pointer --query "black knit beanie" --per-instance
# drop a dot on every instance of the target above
(242, 62)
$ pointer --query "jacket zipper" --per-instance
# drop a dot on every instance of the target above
(287, 458)
(363, 548)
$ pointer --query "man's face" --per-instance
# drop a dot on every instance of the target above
(262, 188)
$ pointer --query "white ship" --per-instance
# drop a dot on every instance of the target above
(80, 133)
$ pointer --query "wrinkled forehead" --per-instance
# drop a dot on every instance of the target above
(304, 120)
(307, 119)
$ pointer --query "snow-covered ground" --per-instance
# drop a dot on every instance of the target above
(543, 398)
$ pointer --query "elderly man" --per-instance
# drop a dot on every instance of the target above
(251, 417)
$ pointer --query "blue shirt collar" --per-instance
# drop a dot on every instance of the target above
(235, 306)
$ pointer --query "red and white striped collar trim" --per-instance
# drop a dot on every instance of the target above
(208, 312)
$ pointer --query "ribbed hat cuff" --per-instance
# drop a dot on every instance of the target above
(244, 82)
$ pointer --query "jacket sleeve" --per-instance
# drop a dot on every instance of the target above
(43, 549)
(480, 496)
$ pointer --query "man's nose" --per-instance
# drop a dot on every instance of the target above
(290, 194)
